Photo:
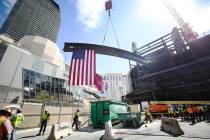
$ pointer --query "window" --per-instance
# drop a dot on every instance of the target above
(38, 83)
(32, 85)
(52, 87)
(119, 78)
(48, 84)
(43, 82)
(26, 93)
(26, 78)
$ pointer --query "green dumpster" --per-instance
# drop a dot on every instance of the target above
(103, 111)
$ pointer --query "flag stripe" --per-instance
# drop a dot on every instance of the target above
(91, 56)
(86, 83)
(72, 72)
(94, 68)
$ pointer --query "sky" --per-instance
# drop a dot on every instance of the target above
(141, 21)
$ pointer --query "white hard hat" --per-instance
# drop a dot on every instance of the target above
(6, 109)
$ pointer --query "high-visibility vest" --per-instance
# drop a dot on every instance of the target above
(189, 110)
(181, 110)
(45, 116)
(17, 120)
(77, 114)
(2, 120)
(194, 109)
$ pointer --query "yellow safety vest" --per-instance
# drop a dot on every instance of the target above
(77, 114)
(17, 120)
(45, 116)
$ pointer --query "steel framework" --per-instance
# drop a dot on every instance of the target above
(174, 69)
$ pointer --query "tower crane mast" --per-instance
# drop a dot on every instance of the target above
(190, 34)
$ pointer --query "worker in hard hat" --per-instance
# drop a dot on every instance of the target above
(16, 120)
(148, 116)
(44, 120)
(5, 124)
(76, 119)
(170, 112)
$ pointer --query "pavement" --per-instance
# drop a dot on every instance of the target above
(199, 131)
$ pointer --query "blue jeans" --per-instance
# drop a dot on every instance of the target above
(13, 134)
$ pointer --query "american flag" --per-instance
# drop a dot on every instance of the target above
(98, 82)
(82, 67)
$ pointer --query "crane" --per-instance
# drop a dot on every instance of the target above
(190, 34)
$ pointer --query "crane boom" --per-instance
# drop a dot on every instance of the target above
(190, 34)
(174, 13)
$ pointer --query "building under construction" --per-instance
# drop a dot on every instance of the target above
(173, 69)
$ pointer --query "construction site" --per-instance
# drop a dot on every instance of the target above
(169, 96)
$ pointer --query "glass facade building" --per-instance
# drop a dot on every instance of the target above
(33, 17)
(37, 86)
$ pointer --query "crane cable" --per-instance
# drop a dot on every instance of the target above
(110, 18)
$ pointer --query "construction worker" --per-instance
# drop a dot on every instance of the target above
(5, 124)
(195, 113)
(205, 114)
(16, 120)
(190, 112)
(76, 119)
(186, 117)
(44, 120)
(170, 112)
(148, 116)
(208, 113)
(199, 112)
(181, 112)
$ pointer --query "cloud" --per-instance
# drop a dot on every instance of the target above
(90, 12)
(190, 10)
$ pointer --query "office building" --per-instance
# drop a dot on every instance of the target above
(33, 17)
(114, 86)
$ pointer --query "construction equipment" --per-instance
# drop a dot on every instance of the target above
(92, 93)
(190, 34)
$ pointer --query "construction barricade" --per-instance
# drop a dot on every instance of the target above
(60, 131)
(171, 126)
(109, 132)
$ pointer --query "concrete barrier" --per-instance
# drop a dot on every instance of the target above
(60, 131)
(109, 132)
(171, 126)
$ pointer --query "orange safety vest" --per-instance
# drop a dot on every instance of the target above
(194, 109)
(190, 110)
(2, 120)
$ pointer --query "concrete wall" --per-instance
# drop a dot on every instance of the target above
(32, 114)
